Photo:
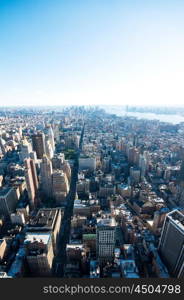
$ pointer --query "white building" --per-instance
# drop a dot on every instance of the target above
(106, 239)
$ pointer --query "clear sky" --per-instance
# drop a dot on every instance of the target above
(59, 52)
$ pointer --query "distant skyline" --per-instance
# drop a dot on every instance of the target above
(82, 52)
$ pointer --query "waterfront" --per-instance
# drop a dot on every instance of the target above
(174, 119)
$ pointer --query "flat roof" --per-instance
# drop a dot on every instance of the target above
(89, 236)
(31, 237)
(177, 217)
(43, 220)
(107, 222)
(74, 246)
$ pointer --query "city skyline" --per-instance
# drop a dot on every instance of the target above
(91, 52)
(88, 194)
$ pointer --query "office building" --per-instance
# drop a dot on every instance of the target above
(38, 142)
(46, 176)
(26, 148)
(47, 220)
(171, 245)
(51, 137)
(48, 148)
(39, 253)
(105, 239)
(8, 201)
(59, 162)
(60, 186)
(31, 180)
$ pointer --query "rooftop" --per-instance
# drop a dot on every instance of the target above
(44, 220)
(107, 222)
(39, 236)
(89, 236)
(177, 217)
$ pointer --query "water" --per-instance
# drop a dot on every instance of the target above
(174, 119)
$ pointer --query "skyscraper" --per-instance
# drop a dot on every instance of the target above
(31, 180)
(60, 186)
(171, 245)
(46, 176)
(51, 137)
(59, 162)
(39, 253)
(180, 183)
(8, 201)
(48, 148)
(105, 239)
(38, 142)
(25, 150)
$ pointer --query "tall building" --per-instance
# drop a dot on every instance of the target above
(59, 162)
(180, 185)
(8, 201)
(105, 239)
(31, 180)
(48, 148)
(60, 186)
(47, 220)
(180, 178)
(56, 131)
(34, 174)
(51, 137)
(72, 141)
(171, 245)
(33, 156)
(46, 176)
(39, 253)
(26, 148)
(3, 146)
(38, 142)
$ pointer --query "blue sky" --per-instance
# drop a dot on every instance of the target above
(58, 52)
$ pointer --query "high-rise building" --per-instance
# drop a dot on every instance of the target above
(31, 180)
(38, 142)
(3, 147)
(8, 201)
(47, 220)
(59, 162)
(34, 174)
(48, 148)
(159, 217)
(33, 156)
(51, 137)
(39, 253)
(180, 185)
(26, 148)
(60, 186)
(56, 131)
(106, 239)
(171, 245)
(46, 176)
(72, 141)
